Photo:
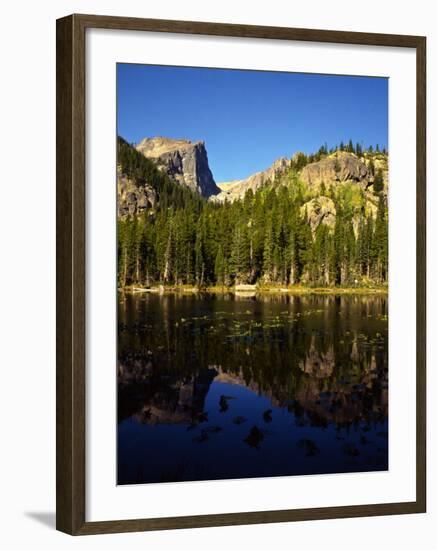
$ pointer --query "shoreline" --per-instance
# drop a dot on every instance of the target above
(294, 290)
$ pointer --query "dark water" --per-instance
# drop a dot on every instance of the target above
(220, 387)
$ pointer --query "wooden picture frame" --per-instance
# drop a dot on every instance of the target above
(71, 283)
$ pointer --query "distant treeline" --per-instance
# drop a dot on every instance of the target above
(265, 237)
(300, 160)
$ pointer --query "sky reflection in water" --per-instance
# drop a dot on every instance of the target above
(221, 387)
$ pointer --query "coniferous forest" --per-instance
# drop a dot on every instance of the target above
(264, 238)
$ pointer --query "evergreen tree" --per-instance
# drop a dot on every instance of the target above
(380, 242)
(219, 267)
(378, 183)
(268, 251)
(199, 266)
(239, 260)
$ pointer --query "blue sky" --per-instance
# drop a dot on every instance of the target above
(250, 118)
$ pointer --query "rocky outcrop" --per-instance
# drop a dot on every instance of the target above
(183, 161)
(339, 167)
(133, 198)
(319, 210)
(236, 189)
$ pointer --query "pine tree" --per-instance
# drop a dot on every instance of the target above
(199, 266)
(304, 243)
(219, 267)
(268, 251)
(239, 260)
(380, 243)
(321, 256)
(339, 247)
(378, 182)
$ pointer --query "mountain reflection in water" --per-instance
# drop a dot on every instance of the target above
(221, 386)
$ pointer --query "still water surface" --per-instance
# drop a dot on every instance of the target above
(221, 387)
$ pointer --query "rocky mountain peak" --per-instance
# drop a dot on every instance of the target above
(184, 161)
(280, 164)
(153, 147)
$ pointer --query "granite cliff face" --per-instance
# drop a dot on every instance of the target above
(183, 161)
(320, 210)
(337, 168)
(133, 197)
(340, 167)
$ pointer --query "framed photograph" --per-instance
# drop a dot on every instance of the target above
(240, 274)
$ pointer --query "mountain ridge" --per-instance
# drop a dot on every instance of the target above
(333, 168)
(237, 188)
(186, 163)
(319, 219)
(320, 174)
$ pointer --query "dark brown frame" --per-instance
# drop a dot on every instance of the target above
(71, 283)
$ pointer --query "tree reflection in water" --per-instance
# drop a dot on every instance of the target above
(312, 370)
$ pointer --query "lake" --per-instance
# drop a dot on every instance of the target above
(227, 386)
